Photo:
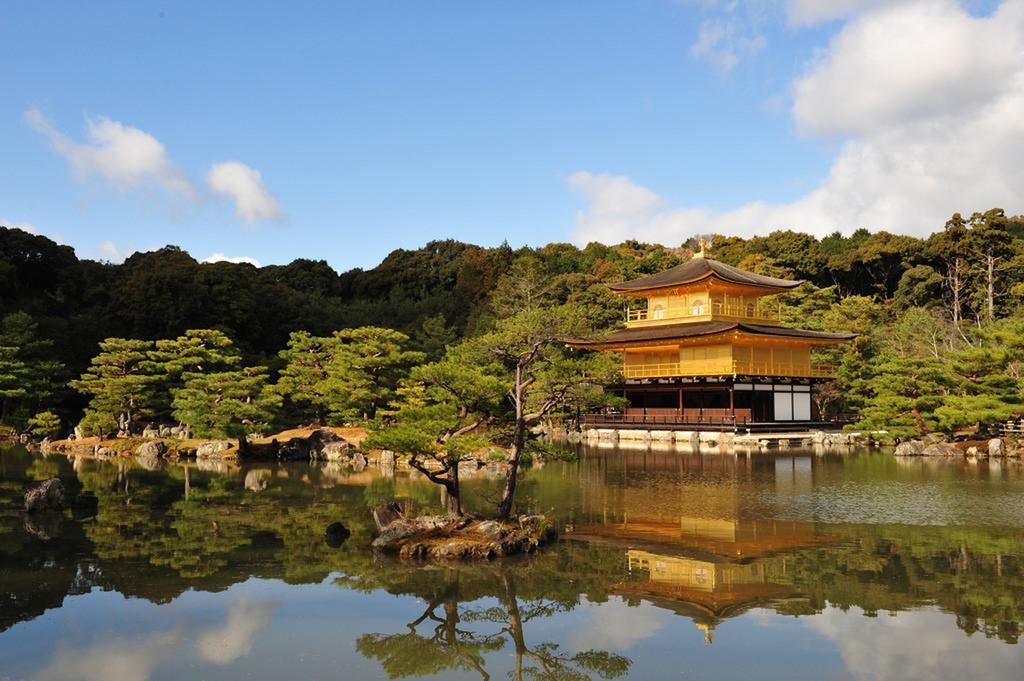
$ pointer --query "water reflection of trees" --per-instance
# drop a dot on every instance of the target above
(152, 540)
(451, 647)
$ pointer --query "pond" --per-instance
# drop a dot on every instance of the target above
(671, 565)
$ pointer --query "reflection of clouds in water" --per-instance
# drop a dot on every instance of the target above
(916, 646)
(762, 617)
(119, 658)
(232, 640)
(113, 659)
(617, 626)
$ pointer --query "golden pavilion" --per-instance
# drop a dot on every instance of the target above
(702, 347)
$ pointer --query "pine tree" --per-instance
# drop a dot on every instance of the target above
(905, 394)
(303, 380)
(228, 403)
(197, 351)
(28, 377)
(366, 368)
(44, 424)
(122, 382)
(14, 376)
(988, 388)
(539, 375)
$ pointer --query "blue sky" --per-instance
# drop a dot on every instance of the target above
(344, 130)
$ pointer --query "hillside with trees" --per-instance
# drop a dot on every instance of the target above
(940, 324)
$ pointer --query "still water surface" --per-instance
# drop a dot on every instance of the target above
(672, 566)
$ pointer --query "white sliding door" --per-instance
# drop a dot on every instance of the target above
(783, 406)
(801, 406)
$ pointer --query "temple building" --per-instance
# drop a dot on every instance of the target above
(702, 347)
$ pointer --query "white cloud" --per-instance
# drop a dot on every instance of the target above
(126, 157)
(929, 134)
(253, 201)
(733, 34)
(23, 226)
(922, 62)
(724, 43)
(220, 257)
(113, 252)
(923, 645)
(225, 644)
(810, 12)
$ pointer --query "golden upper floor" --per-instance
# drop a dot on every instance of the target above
(701, 306)
(701, 290)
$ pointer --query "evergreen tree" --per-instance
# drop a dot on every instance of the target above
(44, 424)
(435, 336)
(540, 374)
(437, 419)
(226, 403)
(304, 380)
(197, 351)
(28, 374)
(992, 253)
(122, 382)
(366, 369)
(905, 394)
(988, 388)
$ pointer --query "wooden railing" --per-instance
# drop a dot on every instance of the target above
(672, 417)
(726, 367)
(703, 311)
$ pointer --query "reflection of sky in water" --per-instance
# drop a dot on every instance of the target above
(682, 548)
(265, 629)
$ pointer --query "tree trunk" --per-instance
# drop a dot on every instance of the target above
(518, 444)
(990, 287)
(955, 286)
(453, 504)
(509, 493)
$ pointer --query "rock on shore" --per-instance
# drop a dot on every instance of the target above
(935, 445)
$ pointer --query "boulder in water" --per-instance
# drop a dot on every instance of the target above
(47, 495)
(336, 534)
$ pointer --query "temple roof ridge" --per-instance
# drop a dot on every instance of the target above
(699, 268)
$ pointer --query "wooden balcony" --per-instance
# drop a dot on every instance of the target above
(716, 310)
(728, 367)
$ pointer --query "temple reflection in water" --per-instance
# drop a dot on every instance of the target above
(694, 541)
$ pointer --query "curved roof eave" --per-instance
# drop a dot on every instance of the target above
(698, 269)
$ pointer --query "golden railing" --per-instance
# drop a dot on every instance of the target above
(702, 311)
(725, 367)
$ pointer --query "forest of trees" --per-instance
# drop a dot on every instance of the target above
(940, 323)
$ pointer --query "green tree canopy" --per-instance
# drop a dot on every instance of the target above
(122, 384)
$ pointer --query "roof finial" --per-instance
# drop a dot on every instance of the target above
(705, 246)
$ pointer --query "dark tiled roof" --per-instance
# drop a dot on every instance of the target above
(694, 329)
(696, 269)
(796, 333)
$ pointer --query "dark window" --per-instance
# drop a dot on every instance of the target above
(716, 399)
(744, 399)
(663, 400)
